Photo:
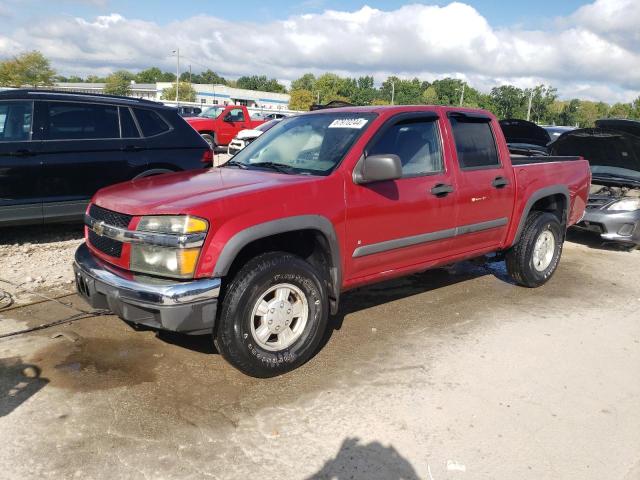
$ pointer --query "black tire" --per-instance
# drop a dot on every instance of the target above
(210, 140)
(520, 257)
(233, 336)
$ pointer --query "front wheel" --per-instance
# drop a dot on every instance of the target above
(534, 259)
(274, 315)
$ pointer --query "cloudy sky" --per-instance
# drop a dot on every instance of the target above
(585, 49)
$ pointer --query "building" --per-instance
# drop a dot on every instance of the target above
(206, 94)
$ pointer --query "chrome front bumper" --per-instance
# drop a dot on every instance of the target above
(188, 307)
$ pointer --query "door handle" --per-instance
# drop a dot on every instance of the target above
(442, 190)
(499, 182)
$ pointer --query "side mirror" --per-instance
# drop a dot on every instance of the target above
(377, 168)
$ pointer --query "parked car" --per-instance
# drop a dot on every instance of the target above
(189, 111)
(613, 151)
(57, 149)
(524, 137)
(219, 124)
(258, 252)
(245, 137)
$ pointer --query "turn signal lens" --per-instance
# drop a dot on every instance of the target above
(195, 225)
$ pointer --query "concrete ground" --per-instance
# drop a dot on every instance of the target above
(450, 374)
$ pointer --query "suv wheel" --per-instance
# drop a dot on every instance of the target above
(274, 315)
(534, 259)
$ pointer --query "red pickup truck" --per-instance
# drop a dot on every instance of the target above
(219, 125)
(258, 252)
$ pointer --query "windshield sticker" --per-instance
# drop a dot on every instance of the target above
(349, 123)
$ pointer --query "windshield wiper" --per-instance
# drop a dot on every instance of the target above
(278, 167)
(235, 163)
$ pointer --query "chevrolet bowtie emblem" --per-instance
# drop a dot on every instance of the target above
(98, 227)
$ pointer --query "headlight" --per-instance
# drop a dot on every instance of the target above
(167, 261)
(627, 205)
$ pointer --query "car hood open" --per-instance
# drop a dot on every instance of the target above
(523, 132)
(601, 147)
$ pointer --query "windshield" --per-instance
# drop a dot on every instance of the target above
(307, 144)
(211, 112)
(267, 126)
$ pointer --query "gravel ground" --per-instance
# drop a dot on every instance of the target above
(34, 259)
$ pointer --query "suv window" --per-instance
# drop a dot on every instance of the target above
(416, 143)
(475, 144)
(81, 121)
(127, 125)
(150, 122)
(15, 121)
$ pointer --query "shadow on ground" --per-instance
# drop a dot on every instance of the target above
(371, 461)
(18, 382)
(36, 234)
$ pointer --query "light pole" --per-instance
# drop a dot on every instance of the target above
(393, 92)
(530, 102)
(177, 52)
(462, 93)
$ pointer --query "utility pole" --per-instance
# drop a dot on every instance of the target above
(462, 93)
(177, 52)
(189, 74)
(530, 102)
(393, 92)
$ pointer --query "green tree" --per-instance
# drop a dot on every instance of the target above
(621, 110)
(30, 68)
(301, 100)
(95, 79)
(209, 77)
(542, 97)
(153, 75)
(570, 113)
(405, 92)
(330, 86)
(509, 101)
(305, 82)
(260, 82)
(449, 91)
(588, 113)
(430, 96)
(186, 92)
(119, 83)
(635, 111)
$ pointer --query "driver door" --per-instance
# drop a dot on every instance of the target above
(233, 121)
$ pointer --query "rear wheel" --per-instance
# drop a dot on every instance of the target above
(273, 315)
(534, 259)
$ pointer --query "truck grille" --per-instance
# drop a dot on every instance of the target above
(106, 245)
(111, 247)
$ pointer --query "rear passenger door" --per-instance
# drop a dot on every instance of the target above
(82, 151)
(485, 185)
(20, 171)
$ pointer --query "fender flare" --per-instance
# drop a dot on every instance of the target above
(538, 195)
(322, 224)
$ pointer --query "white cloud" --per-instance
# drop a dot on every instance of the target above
(594, 52)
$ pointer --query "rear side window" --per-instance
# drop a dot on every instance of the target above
(127, 125)
(150, 122)
(81, 121)
(416, 143)
(475, 144)
(15, 121)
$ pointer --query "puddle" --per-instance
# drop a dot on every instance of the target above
(96, 363)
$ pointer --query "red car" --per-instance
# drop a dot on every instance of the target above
(219, 125)
(258, 252)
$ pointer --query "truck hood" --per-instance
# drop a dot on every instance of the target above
(182, 192)
(195, 121)
(601, 147)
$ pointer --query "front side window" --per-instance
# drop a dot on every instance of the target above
(236, 115)
(211, 112)
(417, 144)
(475, 144)
(150, 122)
(15, 121)
(308, 144)
(81, 121)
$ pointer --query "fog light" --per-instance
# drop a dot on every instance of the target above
(626, 230)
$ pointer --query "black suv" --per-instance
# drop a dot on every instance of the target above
(57, 149)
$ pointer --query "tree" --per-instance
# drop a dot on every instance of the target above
(404, 92)
(153, 75)
(621, 110)
(542, 97)
(30, 68)
(305, 82)
(430, 96)
(569, 115)
(95, 79)
(509, 101)
(209, 77)
(301, 100)
(260, 82)
(186, 93)
(635, 113)
(119, 83)
(449, 91)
